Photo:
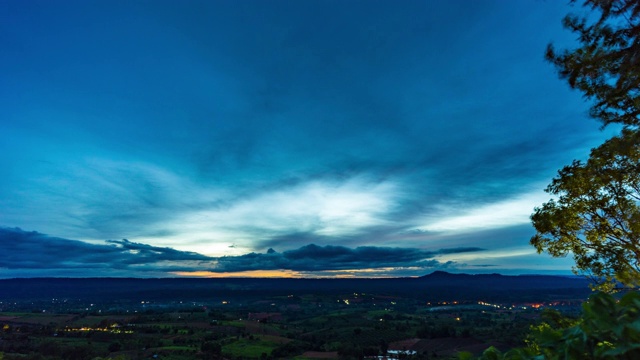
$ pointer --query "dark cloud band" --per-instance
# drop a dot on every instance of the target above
(320, 258)
(32, 250)
(24, 250)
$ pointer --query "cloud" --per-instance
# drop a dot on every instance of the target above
(427, 267)
(329, 258)
(459, 250)
(150, 253)
(300, 212)
(30, 252)
(335, 132)
(505, 213)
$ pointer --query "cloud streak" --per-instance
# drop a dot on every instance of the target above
(322, 258)
(20, 250)
(32, 251)
(503, 213)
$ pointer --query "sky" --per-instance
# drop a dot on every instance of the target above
(281, 138)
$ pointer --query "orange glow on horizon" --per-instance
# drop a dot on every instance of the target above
(332, 274)
(244, 274)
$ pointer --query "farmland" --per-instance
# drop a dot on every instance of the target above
(347, 326)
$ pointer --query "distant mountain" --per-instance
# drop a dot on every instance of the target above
(502, 282)
(434, 286)
(444, 274)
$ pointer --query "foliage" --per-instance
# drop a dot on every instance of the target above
(605, 67)
(115, 346)
(211, 347)
(595, 216)
(608, 329)
(596, 213)
(289, 350)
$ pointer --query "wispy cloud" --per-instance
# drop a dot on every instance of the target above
(322, 208)
(464, 218)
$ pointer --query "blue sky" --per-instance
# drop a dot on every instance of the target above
(280, 138)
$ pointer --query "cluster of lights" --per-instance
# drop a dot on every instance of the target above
(113, 329)
(535, 306)
(455, 302)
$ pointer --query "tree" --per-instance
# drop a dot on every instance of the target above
(605, 68)
(211, 348)
(596, 213)
(608, 329)
(595, 216)
(114, 347)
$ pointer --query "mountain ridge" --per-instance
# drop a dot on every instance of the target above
(435, 285)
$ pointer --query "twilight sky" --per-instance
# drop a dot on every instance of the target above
(280, 138)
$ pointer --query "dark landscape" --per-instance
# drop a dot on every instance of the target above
(434, 316)
(437, 286)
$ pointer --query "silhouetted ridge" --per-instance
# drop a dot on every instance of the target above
(439, 284)
(437, 273)
(446, 276)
